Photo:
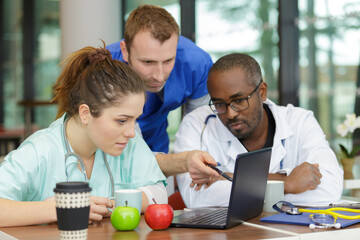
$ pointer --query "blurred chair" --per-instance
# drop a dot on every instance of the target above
(176, 202)
(353, 187)
(10, 139)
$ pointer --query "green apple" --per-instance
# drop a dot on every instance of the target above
(125, 218)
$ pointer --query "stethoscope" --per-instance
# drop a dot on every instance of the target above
(321, 218)
(79, 161)
(203, 129)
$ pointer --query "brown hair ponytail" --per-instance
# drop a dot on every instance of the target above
(90, 76)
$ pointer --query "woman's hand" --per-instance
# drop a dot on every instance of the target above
(99, 208)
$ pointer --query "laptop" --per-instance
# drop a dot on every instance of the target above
(246, 196)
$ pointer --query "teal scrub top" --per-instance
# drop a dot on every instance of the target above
(31, 172)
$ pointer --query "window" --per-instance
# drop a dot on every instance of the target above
(329, 60)
(47, 50)
(12, 68)
(249, 27)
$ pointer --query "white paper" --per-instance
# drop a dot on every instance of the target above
(5, 236)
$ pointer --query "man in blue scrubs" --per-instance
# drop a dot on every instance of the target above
(175, 71)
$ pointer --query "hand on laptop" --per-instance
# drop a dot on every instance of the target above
(304, 177)
(197, 162)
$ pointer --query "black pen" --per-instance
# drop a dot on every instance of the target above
(221, 172)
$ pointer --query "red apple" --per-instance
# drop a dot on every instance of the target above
(159, 216)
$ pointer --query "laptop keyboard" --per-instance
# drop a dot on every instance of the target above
(217, 217)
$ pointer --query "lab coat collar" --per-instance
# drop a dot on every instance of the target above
(283, 129)
(282, 132)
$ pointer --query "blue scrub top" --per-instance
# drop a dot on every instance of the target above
(31, 172)
(187, 80)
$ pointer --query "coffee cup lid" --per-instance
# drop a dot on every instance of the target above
(72, 186)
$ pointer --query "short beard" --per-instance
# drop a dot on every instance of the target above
(237, 133)
(252, 125)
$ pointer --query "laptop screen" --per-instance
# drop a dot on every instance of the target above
(249, 186)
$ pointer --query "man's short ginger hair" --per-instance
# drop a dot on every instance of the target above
(148, 17)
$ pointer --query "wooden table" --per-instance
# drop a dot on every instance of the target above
(253, 229)
(104, 230)
(10, 139)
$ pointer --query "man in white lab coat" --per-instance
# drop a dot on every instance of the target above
(242, 119)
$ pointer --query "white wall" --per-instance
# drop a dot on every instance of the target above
(84, 22)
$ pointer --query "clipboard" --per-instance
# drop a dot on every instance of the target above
(304, 219)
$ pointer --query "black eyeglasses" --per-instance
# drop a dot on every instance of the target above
(238, 105)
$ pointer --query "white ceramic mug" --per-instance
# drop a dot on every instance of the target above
(274, 193)
(129, 197)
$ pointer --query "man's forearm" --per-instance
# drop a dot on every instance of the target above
(173, 163)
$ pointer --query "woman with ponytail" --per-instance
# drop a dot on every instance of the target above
(99, 100)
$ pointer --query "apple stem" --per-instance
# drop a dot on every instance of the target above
(126, 203)
(154, 200)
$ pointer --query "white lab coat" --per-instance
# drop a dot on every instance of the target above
(298, 138)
